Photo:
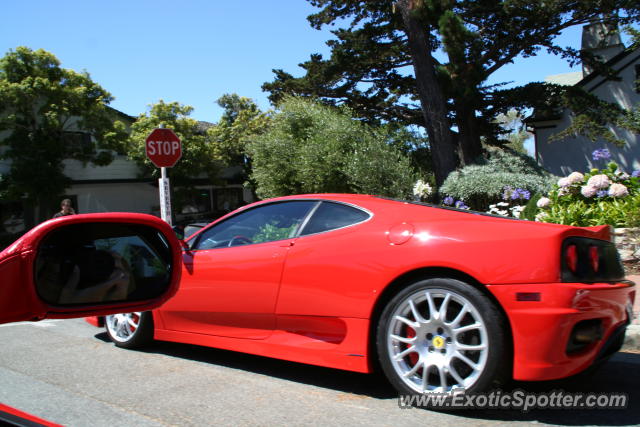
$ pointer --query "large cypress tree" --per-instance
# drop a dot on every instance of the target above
(384, 62)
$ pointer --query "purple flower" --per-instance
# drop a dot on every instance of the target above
(602, 193)
(448, 201)
(520, 193)
(602, 153)
(507, 193)
(636, 174)
(460, 205)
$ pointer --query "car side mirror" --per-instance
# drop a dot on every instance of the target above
(179, 231)
(93, 264)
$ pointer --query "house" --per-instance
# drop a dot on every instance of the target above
(118, 187)
(574, 154)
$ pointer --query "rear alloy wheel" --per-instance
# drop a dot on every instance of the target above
(130, 330)
(441, 335)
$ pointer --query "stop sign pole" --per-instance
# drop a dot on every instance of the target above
(164, 188)
(164, 149)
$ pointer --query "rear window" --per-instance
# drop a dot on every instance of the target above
(331, 216)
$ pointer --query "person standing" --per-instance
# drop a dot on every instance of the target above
(65, 209)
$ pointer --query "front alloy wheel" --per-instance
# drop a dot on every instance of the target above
(439, 335)
(130, 330)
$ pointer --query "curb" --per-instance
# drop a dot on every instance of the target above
(632, 339)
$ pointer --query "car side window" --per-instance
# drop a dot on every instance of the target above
(330, 216)
(275, 221)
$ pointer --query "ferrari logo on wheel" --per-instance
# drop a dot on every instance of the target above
(438, 342)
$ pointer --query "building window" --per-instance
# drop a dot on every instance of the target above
(194, 201)
(228, 199)
(637, 82)
(79, 142)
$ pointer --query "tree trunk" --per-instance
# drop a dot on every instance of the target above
(469, 137)
(432, 101)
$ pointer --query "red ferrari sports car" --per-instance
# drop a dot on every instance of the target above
(441, 299)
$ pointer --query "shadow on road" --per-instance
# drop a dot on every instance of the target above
(621, 374)
(349, 382)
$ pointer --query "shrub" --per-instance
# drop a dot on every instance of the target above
(312, 148)
(482, 184)
(602, 196)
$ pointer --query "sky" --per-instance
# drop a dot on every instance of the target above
(192, 51)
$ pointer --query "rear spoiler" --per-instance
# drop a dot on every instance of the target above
(603, 232)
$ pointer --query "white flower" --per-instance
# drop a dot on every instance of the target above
(503, 204)
(422, 189)
(618, 190)
(564, 182)
(493, 209)
(516, 211)
(575, 178)
(588, 191)
(541, 216)
(543, 202)
(599, 181)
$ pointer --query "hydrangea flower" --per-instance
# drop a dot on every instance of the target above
(543, 202)
(422, 189)
(602, 193)
(635, 174)
(575, 178)
(599, 181)
(588, 191)
(602, 153)
(618, 190)
(448, 201)
(564, 182)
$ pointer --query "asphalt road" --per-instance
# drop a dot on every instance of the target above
(67, 372)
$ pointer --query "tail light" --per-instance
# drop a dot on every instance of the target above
(594, 258)
(590, 260)
(571, 257)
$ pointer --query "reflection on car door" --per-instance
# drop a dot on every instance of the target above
(230, 279)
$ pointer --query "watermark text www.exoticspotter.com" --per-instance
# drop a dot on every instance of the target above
(516, 399)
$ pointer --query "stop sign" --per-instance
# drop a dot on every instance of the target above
(163, 148)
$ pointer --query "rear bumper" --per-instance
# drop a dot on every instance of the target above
(543, 330)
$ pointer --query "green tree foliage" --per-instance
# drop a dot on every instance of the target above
(377, 41)
(198, 159)
(479, 185)
(312, 148)
(49, 114)
(241, 120)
